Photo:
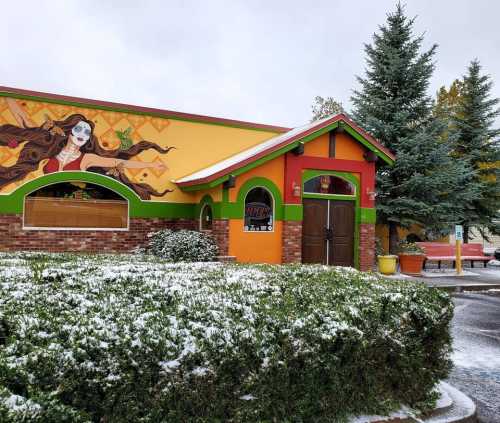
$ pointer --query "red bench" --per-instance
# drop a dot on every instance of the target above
(438, 251)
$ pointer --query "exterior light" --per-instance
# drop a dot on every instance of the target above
(296, 189)
(371, 193)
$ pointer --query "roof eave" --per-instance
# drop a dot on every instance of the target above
(219, 177)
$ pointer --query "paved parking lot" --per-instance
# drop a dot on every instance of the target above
(476, 343)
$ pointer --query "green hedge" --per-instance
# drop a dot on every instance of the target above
(128, 339)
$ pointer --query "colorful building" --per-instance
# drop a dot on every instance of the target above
(87, 175)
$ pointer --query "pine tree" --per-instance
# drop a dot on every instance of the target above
(475, 141)
(324, 107)
(423, 185)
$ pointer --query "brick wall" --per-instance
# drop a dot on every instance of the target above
(220, 231)
(292, 241)
(366, 246)
(14, 238)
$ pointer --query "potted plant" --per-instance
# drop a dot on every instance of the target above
(386, 262)
(411, 258)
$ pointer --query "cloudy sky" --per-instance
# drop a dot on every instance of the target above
(261, 61)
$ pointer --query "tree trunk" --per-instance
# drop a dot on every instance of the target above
(466, 234)
(393, 237)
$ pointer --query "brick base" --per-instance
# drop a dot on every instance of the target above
(220, 231)
(14, 238)
(292, 241)
(366, 246)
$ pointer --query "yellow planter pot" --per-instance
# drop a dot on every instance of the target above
(387, 264)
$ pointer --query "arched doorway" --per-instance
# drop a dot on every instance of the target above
(328, 227)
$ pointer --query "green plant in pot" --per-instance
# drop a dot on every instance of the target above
(411, 258)
(386, 262)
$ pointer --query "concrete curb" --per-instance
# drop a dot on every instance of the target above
(467, 287)
(452, 407)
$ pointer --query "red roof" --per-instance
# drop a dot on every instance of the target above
(145, 110)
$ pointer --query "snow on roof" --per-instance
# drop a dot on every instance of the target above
(266, 147)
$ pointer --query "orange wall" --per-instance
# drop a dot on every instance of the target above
(255, 247)
(319, 147)
(346, 147)
(274, 170)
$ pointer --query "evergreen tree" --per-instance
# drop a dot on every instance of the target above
(425, 184)
(324, 107)
(475, 141)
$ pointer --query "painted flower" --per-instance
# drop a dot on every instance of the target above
(12, 143)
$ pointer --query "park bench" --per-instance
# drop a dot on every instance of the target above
(438, 251)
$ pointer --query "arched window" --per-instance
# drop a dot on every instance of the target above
(75, 205)
(206, 218)
(329, 184)
(259, 210)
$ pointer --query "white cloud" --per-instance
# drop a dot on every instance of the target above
(260, 61)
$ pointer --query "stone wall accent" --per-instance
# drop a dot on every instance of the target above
(366, 246)
(220, 231)
(14, 238)
(292, 241)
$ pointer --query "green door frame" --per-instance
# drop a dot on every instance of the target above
(349, 177)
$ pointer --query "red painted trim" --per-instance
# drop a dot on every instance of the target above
(294, 165)
(339, 117)
(149, 110)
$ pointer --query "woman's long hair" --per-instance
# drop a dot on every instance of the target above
(47, 141)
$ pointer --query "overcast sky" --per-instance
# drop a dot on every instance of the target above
(261, 61)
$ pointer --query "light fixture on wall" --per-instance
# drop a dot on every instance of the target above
(371, 193)
(296, 189)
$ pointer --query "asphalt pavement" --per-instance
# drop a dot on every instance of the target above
(476, 344)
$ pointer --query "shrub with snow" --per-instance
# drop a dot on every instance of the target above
(127, 339)
(183, 245)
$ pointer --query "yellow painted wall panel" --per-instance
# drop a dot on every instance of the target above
(50, 126)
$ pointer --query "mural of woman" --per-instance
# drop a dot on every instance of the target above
(70, 144)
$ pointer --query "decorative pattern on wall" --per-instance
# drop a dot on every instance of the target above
(37, 138)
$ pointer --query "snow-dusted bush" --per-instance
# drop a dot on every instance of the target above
(183, 245)
(127, 339)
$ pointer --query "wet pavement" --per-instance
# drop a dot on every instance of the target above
(476, 343)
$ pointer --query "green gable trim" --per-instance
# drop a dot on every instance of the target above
(357, 136)
(368, 215)
(216, 207)
(134, 112)
(236, 210)
(288, 148)
(13, 203)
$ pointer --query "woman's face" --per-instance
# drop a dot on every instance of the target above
(80, 133)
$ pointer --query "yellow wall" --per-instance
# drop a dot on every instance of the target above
(197, 145)
(255, 247)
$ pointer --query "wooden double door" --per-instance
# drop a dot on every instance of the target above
(328, 232)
